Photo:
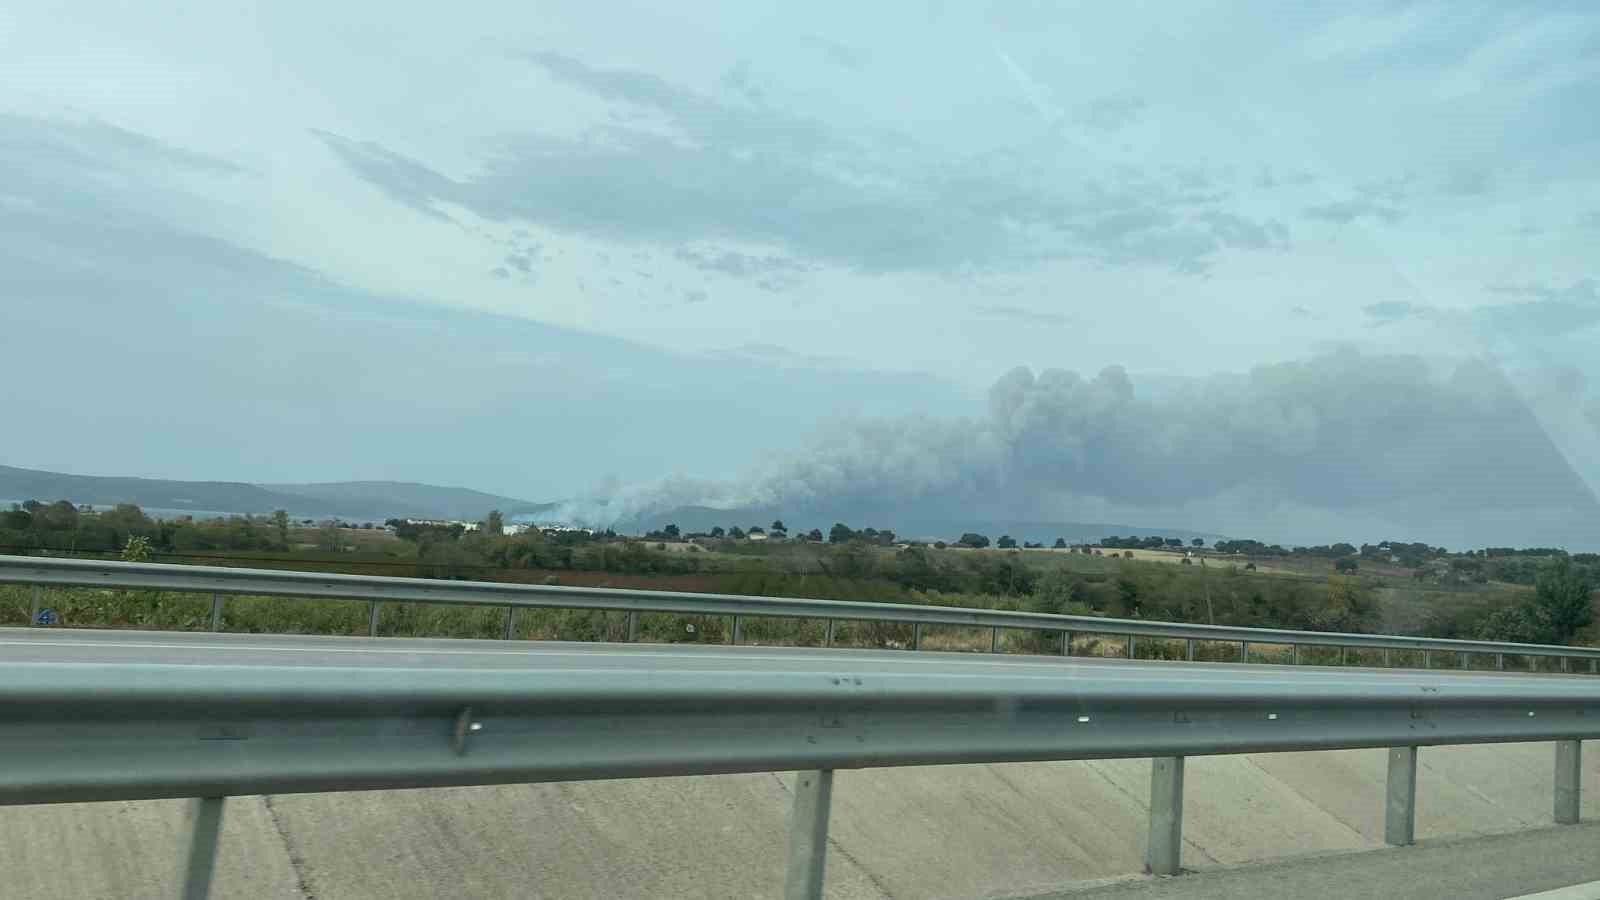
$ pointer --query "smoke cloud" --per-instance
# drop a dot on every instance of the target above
(1296, 451)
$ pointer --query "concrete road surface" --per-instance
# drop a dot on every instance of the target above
(1486, 868)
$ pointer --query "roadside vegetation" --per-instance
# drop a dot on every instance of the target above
(1540, 595)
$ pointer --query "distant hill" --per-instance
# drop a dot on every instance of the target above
(374, 500)
(410, 499)
(905, 523)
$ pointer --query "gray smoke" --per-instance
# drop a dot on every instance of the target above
(1341, 441)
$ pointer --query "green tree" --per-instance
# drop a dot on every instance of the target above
(1564, 595)
(671, 531)
(973, 539)
(840, 533)
(1198, 542)
(137, 549)
(1060, 544)
(777, 525)
(280, 521)
(1006, 542)
(495, 524)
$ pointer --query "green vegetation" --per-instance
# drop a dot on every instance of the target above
(1542, 599)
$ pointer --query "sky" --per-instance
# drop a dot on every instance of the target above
(1252, 268)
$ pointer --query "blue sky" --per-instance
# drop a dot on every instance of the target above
(634, 252)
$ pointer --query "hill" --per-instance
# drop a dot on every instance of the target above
(410, 499)
(346, 499)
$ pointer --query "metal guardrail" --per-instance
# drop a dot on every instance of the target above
(376, 589)
(102, 715)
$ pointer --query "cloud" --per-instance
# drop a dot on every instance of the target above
(722, 173)
(1345, 435)
(1347, 211)
(1023, 315)
(1553, 311)
(1389, 311)
(773, 272)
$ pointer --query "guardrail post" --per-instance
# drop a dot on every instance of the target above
(1564, 666)
(808, 835)
(994, 639)
(1244, 651)
(511, 622)
(1386, 657)
(1569, 781)
(916, 636)
(1427, 659)
(1188, 649)
(216, 612)
(738, 629)
(38, 603)
(1130, 646)
(1066, 643)
(827, 637)
(205, 816)
(372, 620)
(1294, 654)
(1342, 654)
(633, 625)
(1400, 807)
(1164, 852)
(1461, 660)
(1500, 661)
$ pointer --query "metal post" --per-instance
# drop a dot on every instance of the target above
(1386, 657)
(633, 625)
(1500, 661)
(1188, 649)
(511, 622)
(1461, 660)
(372, 620)
(1066, 643)
(1564, 667)
(1163, 853)
(1294, 654)
(1427, 659)
(1592, 662)
(827, 638)
(738, 629)
(1569, 781)
(205, 814)
(916, 635)
(1400, 808)
(994, 639)
(216, 612)
(1342, 653)
(38, 603)
(1244, 651)
(1130, 646)
(808, 835)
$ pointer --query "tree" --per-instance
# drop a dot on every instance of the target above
(495, 524)
(756, 529)
(1347, 564)
(1562, 593)
(137, 549)
(736, 533)
(1006, 542)
(1060, 544)
(814, 535)
(671, 531)
(777, 525)
(717, 531)
(1174, 542)
(280, 521)
(1198, 542)
(974, 540)
(840, 533)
